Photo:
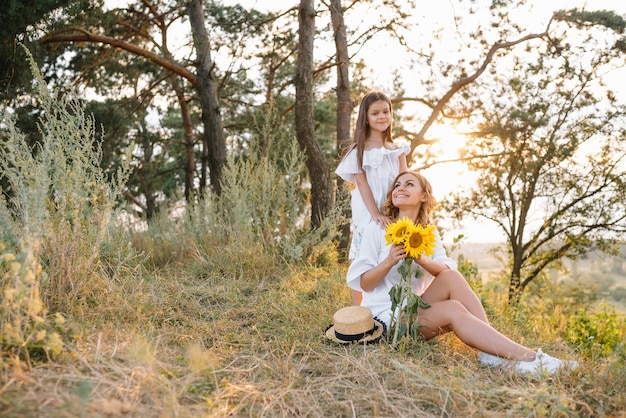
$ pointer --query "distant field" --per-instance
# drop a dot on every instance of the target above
(608, 272)
(480, 254)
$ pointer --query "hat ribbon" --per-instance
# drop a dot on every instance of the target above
(355, 337)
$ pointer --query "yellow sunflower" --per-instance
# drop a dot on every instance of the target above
(396, 232)
(420, 240)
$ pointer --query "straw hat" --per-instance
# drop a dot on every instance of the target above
(355, 324)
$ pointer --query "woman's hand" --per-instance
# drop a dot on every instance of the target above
(396, 253)
(431, 266)
(372, 278)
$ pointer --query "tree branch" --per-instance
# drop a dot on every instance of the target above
(85, 36)
(438, 107)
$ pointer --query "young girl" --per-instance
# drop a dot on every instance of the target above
(371, 163)
(453, 305)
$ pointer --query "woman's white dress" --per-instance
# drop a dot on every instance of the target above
(374, 250)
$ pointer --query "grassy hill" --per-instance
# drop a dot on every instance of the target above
(235, 331)
(221, 311)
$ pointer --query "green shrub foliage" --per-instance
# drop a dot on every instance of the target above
(55, 216)
(264, 208)
(597, 334)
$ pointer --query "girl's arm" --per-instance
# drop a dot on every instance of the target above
(403, 164)
(372, 278)
(368, 199)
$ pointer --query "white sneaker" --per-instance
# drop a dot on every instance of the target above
(544, 363)
(491, 360)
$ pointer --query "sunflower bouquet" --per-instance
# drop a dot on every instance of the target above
(417, 240)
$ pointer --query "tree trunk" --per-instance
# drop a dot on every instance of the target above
(190, 161)
(344, 111)
(207, 92)
(515, 280)
(147, 178)
(515, 289)
(317, 165)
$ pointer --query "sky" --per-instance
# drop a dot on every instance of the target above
(446, 178)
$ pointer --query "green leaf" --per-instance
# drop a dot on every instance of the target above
(404, 267)
(415, 327)
(412, 304)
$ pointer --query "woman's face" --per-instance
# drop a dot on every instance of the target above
(379, 116)
(407, 192)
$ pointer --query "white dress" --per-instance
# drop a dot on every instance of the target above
(374, 250)
(381, 166)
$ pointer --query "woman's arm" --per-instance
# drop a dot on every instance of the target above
(430, 265)
(372, 278)
(439, 261)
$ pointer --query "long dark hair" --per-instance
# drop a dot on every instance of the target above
(426, 209)
(362, 128)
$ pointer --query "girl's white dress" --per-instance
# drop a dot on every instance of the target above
(381, 166)
(374, 250)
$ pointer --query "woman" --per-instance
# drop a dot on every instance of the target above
(453, 305)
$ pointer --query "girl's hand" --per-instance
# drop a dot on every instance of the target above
(382, 221)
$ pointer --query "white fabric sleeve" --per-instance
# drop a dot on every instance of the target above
(405, 147)
(440, 253)
(348, 167)
(372, 245)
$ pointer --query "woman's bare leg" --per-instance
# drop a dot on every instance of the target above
(452, 315)
(450, 284)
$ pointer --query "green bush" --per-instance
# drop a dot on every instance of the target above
(55, 218)
(263, 209)
(597, 334)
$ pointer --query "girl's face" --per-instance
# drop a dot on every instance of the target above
(379, 116)
(407, 192)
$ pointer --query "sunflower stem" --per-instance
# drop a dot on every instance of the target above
(397, 320)
(405, 289)
(409, 289)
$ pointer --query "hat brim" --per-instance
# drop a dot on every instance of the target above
(368, 339)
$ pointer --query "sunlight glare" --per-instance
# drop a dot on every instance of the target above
(450, 141)
(448, 173)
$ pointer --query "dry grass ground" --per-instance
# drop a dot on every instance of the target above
(244, 339)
